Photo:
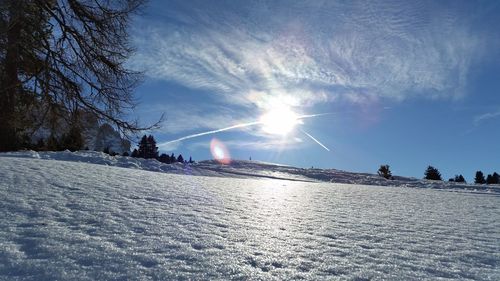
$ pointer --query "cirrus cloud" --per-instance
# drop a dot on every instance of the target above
(304, 53)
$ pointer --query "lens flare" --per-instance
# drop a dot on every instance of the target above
(220, 152)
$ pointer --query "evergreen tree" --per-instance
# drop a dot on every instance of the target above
(125, 153)
(479, 178)
(152, 148)
(384, 171)
(143, 144)
(495, 178)
(432, 173)
(135, 153)
(191, 160)
(180, 159)
(489, 179)
(164, 158)
(148, 148)
(459, 178)
(172, 158)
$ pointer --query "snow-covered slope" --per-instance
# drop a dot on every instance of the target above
(248, 169)
(62, 220)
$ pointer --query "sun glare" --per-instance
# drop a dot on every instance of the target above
(279, 120)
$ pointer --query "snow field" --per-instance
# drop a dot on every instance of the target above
(78, 221)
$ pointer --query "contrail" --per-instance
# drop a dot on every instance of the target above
(242, 125)
(317, 141)
(237, 126)
(314, 115)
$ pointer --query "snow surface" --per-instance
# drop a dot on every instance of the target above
(249, 169)
(63, 220)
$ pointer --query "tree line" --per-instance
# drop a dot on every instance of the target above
(147, 149)
(432, 173)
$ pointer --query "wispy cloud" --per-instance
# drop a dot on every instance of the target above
(486, 116)
(252, 54)
(182, 116)
(305, 53)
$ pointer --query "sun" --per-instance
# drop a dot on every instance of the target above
(280, 120)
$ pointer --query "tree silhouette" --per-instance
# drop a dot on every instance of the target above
(432, 173)
(164, 158)
(493, 179)
(60, 56)
(180, 159)
(135, 153)
(142, 147)
(459, 178)
(147, 147)
(479, 178)
(172, 158)
(384, 171)
(489, 179)
(152, 148)
(73, 140)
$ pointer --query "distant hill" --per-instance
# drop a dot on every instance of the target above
(245, 169)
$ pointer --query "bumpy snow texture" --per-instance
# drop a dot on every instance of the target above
(63, 220)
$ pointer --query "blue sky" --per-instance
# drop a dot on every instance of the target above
(405, 83)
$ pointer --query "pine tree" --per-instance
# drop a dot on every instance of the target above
(495, 178)
(489, 179)
(479, 178)
(384, 171)
(190, 160)
(180, 159)
(125, 153)
(432, 173)
(135, 153)
(164, 158)
(152, 148)
(148, 148)
(172, 158)
(459, 178)
(143, 144)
